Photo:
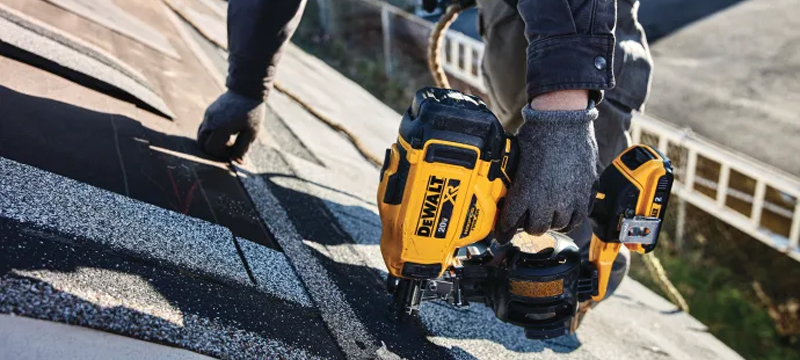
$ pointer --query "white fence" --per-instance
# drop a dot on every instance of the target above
(462, 58)
(462, 61)
(718, 191)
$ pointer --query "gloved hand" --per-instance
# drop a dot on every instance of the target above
(230, 114)
(554, 184)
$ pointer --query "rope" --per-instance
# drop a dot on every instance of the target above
(362, 149)
(659, 275)
(435, 48)
(785, 316)
(434, 65)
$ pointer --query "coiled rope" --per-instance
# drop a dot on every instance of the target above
(435, 48)
(659, 275)
(355, 140)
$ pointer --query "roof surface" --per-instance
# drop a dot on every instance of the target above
(733, 78)
(111, 219)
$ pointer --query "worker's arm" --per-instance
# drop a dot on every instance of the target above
(570, 46)
(569, 64)
(257, 32)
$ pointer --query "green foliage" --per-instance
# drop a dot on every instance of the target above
(359, 61)
(723, 300)
(363, 70)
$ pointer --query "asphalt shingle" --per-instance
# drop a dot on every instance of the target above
(33, 196)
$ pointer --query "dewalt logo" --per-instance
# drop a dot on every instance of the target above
(437, 207)
(656, 210)
(471, 220)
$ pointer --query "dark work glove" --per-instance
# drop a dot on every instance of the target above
(554, 184)
(230, 114)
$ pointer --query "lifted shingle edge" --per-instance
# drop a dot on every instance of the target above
(273, 273)
(22, 36)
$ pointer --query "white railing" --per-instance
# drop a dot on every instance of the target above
(462, 61)
(671, 140)
(462, 57)
(461, 54)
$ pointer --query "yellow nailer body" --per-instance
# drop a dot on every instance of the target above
(631, 200)
(445, 178)
(441, 183)
(441, 186)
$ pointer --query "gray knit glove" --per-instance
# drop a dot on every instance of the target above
(554, 184)
(230, 114)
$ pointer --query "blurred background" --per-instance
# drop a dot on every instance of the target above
(723, 106)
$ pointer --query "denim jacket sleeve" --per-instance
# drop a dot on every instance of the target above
(570, 45)
(257, 32)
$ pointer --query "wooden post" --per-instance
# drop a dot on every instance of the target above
(636, 133)
(386, 27)
(691, 168)
(329, 16)
(722, 186)
(680, 226)
(794, 232)
(758, 203)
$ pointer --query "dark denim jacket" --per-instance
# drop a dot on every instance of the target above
(570, 44)
(257, 31)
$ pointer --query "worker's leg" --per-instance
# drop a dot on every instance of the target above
(632, 71)
(504, 76)
(504, 60)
